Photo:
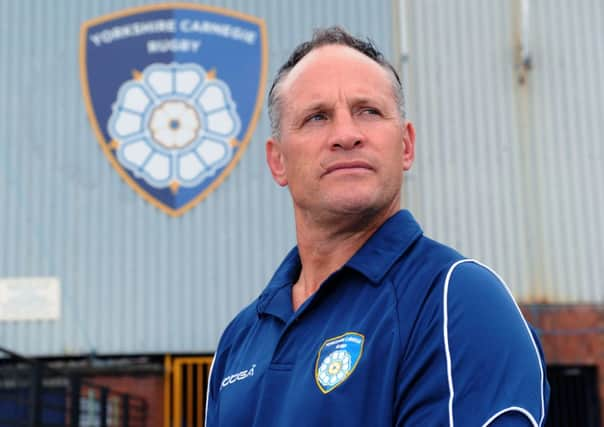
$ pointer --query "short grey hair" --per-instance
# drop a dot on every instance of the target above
(322, 37)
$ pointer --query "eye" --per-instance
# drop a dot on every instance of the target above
(315, 117)
(370, 111)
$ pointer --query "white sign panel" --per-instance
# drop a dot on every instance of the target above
(30, 298)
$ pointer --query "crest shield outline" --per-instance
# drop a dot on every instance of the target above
(173, 93)
(337, 359)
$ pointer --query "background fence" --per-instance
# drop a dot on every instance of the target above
(35, 395)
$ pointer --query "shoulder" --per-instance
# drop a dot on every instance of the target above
(476, 298)
(468, 276)
(422, 267)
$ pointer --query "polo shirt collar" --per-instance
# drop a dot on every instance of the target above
(276, 298)
(373, 260)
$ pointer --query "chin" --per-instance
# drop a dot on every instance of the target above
(356, 205)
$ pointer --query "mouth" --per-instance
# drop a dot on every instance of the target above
(348, 166)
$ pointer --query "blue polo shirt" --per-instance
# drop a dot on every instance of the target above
(406, 333)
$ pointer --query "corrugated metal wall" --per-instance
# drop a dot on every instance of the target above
(511, 173)
(508, 173)
(133, 279)
(567, 134)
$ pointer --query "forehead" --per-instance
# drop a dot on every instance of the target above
(333, 68)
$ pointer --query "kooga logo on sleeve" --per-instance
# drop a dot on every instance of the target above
(231, 379)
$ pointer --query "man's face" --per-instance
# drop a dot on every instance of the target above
(343, 146)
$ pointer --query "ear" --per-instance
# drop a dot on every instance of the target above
(274, 159)
(408, 145)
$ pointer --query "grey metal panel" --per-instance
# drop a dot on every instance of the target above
(568, 89)
(133, 280)
(463, 185)
(511, 173)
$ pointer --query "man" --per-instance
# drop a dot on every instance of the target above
(367, 322)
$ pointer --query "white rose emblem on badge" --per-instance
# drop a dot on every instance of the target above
(175, 125)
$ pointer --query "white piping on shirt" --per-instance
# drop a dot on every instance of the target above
(511, 409)
(448, 352)
(205, 422)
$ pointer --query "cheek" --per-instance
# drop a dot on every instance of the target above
(298, 173)
(394, 160)
(300, 160)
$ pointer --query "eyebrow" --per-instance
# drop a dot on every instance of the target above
(376, 99)
(298, 113)
(314, 106)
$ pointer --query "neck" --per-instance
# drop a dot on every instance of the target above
(324, 248)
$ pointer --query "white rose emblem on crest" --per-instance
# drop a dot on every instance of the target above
(335, 368)
(174, 125)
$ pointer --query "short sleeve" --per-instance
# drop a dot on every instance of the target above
(495, 365)
(471, 359)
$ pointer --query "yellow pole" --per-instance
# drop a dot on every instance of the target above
(177, 402)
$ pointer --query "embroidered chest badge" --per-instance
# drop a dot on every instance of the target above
(337, 359)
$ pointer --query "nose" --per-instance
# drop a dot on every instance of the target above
(345, 134)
